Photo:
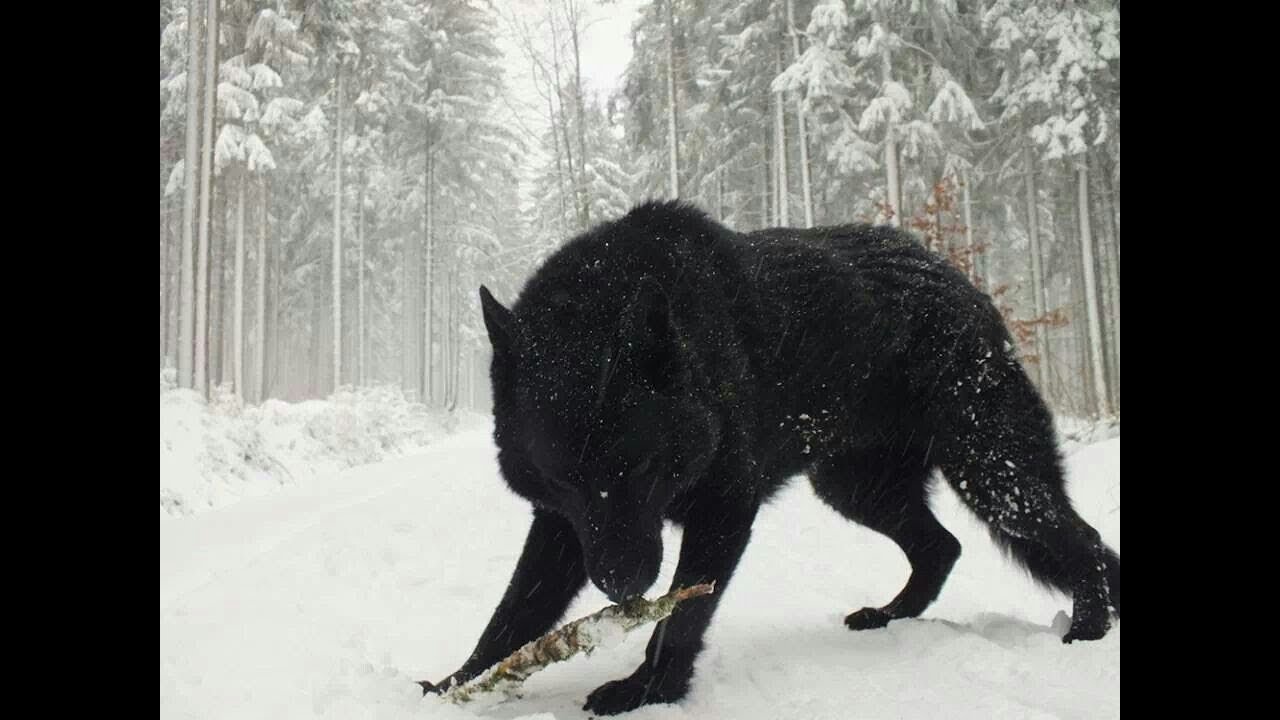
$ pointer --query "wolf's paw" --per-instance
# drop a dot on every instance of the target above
(868, 618)
(457, 678)
(1090, 616)
(1090, 628)
(627, 694)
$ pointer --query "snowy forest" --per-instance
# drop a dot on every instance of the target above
(338, 177)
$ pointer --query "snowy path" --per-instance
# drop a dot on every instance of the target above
(328, 600)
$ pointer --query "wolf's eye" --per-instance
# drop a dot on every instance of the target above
(543, 469)
(554, 479)
(559, 481)
(643, 466)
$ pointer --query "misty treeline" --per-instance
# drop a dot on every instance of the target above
(337, 178)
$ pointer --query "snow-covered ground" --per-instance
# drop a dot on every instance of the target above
(330, 597)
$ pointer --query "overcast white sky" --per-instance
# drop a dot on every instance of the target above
(608, 43)
(606, 49)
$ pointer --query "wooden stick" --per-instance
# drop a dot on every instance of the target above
(600, 629)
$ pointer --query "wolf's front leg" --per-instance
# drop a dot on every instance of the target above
(547, 578)
(715, 533)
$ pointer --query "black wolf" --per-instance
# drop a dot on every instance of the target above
(663, 367)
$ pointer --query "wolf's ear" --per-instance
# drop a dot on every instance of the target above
(650, 336)
(499, 321)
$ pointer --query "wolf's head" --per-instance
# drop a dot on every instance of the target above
(595, 418)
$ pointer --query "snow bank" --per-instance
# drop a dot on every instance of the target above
(215, 453)
(1075, 433)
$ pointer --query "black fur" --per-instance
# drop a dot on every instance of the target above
(662, 367)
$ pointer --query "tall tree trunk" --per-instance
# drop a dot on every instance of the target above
(893, 183)
(782, 187)
(429, 273)
(573, 16)
(187, 280)
(989, 262)
(315, 347)
(720, 194)
(568, 151)
(406, 313)
(361, 370)
(277, 328)
(337, 236)
(455, 356)
(1115, 314)
(1079, 303)
(315, 360)
(555, 139)
(1091, 289)
(1037, 275)
(445, 333)
(413, 301)
(459, 345)
(1111, 249)
(944, 243)
(1102, 270)
(217, 254)
(225, 268)
(801, 132)
(409, 318)
(768, 217)
(563, 126)
(175, 287)
(450, 360)
(673, 148)
(968, 228)
(260, 305)
(238, 358)
(201, 374)
(164, 283)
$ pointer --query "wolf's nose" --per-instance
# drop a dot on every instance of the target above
(618, 588)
